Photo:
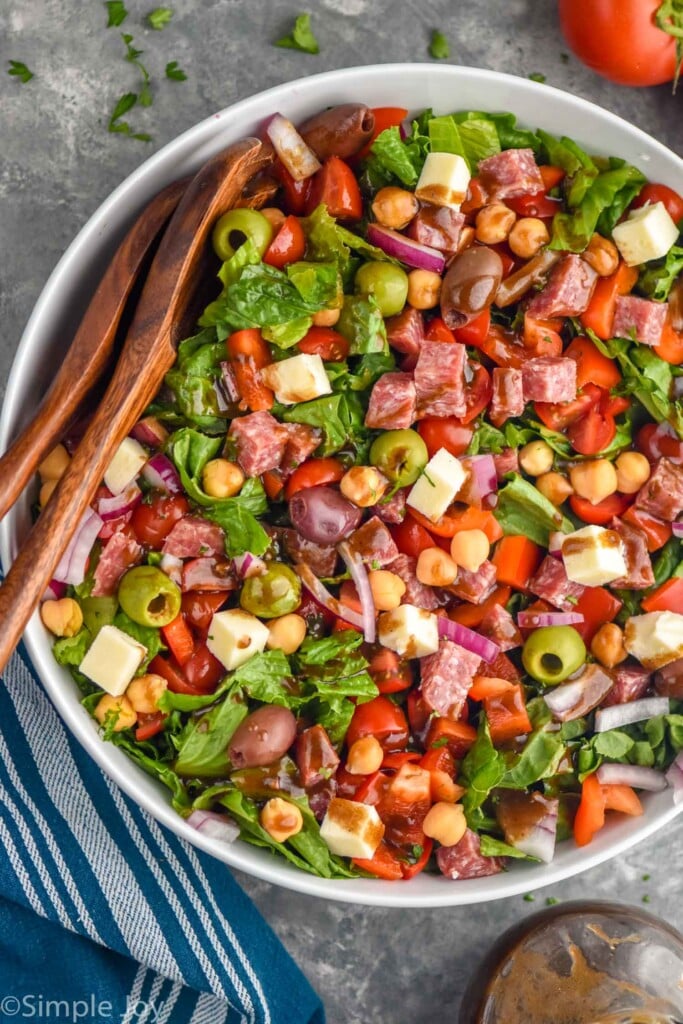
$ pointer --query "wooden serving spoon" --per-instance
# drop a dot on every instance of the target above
(147, 355)
(89, 351)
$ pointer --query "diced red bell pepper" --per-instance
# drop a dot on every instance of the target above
(597, 605)
(666, 598)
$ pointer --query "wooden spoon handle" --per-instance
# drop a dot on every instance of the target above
(89, 351)
(148, 354)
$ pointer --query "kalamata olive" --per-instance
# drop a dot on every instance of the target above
(676, 305)
(470, 285)
(323, 515)
(263, 737)
(339, 131)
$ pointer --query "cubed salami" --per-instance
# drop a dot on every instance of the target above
(551, 584)
(465, 860)
(638, 563)
(302, 441)
(440, 379)
(438, 227)
(475, 587)
(514, 172)
(446, 678)
(639, 319)
(662, 495)
(260, 440)
(568, 291)
(406, 331)
(118, 554)
(416, 593)
(498, 625)
(549, 379)
(321, 558)
(507, 399)
(630, 683)
(669, 680)
(393, 510)
(373, 542)
(506, 462)
(392, 402)
(208, 574)
(192, 537)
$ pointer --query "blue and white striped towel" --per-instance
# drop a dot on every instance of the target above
(107, 916)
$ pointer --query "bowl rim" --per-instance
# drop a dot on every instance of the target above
(613, 841)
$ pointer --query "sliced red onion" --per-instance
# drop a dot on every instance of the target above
(54, 591)
(635, 775)
(677, 528)
(228, 383)
(119, 504)
(247, 565)
(325, 598)
(173, 567)
(413, 254)
(674, 777)
(484, 476)
(575, 699)
(215, 826)
(619, 715)
(298, 158)
(162, 474)
(359, 575)
(555, 543)
(530, 620)
(467, 638)
(540, 841)
(150, 431)
(74, 562)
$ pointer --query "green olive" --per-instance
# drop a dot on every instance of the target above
(400, 454)
(553, 653)
(98, 612)
(387, 283)
(235, 226)
(276, 592)
(148, 596)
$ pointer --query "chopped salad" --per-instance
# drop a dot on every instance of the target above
(389, 577)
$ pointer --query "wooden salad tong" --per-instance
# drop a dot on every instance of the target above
(147, 355)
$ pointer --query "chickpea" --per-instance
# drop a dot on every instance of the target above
(222, 479)
(470, 549)
(286, 633)
(607, 646)
(63, 617)
(119, 706)
(494, 223)
(46, 492)
(326, 317)
(466, 238)
(424, 289)
(387, 589)
(365, 756)
(536, 458)
(274, 217)
(54, 464)
(363, 485)
(144, 693)
(528, 235)
(446, 823)
(394, 207)
(281, 819)
(602, 255)
(555, 487)
(594, 480)
(436, 568)
(633, 470)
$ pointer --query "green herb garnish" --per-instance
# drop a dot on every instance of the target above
(438, 47)
(301, 37)
(116, 12)
(20, 71)
(175, 73)
(159, 18)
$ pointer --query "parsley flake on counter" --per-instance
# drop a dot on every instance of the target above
(132, 55)
(159, 18)
(529, 897)
(124, 104)
(20, 71)
(551, 901)
(438, 47)
(537, 76)
(302, 37)
(117, 13)
(175, 73)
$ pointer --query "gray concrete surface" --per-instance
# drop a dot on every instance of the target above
(57, 163)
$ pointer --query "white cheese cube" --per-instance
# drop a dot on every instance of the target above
(594, 556)
(298, 379)
(655, 639)
(351, 829)
(647, 234)
(443, 180)
(437, 486)
(410, 631)
(128, 460)
(112, 660)
(234, 636)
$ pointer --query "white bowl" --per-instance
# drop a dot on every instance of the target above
(58, 310)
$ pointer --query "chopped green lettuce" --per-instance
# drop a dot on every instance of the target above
(523, 510)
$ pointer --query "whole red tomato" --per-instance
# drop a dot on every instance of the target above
(620, 39)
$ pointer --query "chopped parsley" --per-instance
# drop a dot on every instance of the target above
(301, 37)
(159, 18)
(124, 104)
(646, 898)
(144, 97)
(438, 47)
(529, 897)
(20, 71)
(175, 73)
(537, 76)
(116, 12)
(551, 901)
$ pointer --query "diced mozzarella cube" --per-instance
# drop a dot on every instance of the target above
(298, 379)
(655, 639)
(437, 486)
(112, 660)
(443, 180)
(351, 829)
(234, 636)
(647, 234)
(594, 556)
(410, 631)
(128, 460)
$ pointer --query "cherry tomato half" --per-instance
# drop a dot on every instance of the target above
(477, 393)
(653, 193)
(335, 185)
(199, 607)
(325, 342)
(447, 432)
(288, 245)
(603, 512)
(153, 522)
(313, 473)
